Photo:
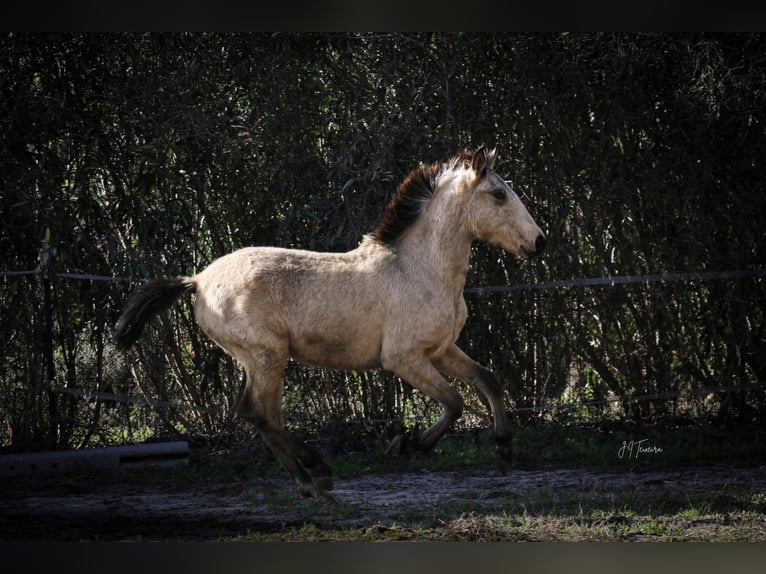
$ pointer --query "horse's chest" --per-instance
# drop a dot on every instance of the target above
(438, 320)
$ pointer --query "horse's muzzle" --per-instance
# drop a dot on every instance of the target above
(540, 244)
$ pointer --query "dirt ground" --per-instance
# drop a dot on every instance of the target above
(705, 501)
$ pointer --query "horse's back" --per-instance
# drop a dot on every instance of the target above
(327, 309)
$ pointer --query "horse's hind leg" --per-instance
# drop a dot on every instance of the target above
(261, 404)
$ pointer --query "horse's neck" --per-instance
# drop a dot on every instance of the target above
(438, 248)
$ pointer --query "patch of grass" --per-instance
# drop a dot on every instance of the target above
(453, 452)
(505, 527)
(695, 510)
(544, 446)
(552, 445)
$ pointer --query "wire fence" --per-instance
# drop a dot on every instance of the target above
(176, 405)
(557, 284)
(610, 281)
(621, 280)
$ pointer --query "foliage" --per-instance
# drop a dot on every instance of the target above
(147, 155)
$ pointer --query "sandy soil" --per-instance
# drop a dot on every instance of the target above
(370, 505)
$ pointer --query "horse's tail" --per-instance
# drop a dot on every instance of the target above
(152, 297)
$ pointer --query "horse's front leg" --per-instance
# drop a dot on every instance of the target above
(418, 370)
(459, 365)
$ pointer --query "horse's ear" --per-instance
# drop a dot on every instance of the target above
(491, 157)
(479, 161)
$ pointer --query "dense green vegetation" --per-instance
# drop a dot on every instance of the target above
(147, 155)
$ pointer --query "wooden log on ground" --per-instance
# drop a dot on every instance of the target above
(158, 454)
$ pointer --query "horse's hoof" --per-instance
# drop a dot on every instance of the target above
(503, 454)
(321, 475)
(318, 491)
(323, 483)
(329, 497)
(395, 446)
(311, 490)
(406, 443)
(501, 464)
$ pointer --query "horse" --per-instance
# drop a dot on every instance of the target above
(395, 302)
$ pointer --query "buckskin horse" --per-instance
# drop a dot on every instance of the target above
(395, 302)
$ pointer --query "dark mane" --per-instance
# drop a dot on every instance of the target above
(411, 197)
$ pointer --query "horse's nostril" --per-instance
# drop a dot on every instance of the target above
(540, 243)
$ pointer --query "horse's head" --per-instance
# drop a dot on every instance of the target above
(496, 214)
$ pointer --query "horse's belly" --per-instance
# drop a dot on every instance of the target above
(336, 350)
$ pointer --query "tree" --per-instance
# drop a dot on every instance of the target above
(147, 155)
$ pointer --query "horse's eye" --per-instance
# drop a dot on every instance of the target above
(499, 195)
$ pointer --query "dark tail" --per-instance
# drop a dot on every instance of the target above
(152, 297)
